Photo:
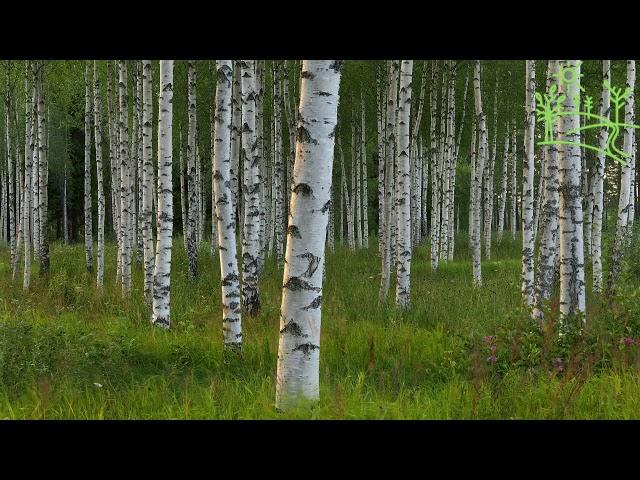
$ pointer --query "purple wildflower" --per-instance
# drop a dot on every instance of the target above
(558, 364)
(492, 359)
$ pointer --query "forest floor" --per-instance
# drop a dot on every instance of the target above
(68, 351)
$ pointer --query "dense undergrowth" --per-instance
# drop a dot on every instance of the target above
(68, 350)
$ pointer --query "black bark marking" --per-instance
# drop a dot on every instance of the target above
(294, 231)
(306, 348)
(314, 263)
(303, 188)
(292, 328)
(303, 136)
(296, 284)
(317, 302)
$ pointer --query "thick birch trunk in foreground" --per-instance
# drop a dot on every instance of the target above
(300, 313)
(598, 182)
(624, 199)
(527, 185)
(403, 272)
(147, 178)
(250, 237)
(192, 250)
(572, 287)
(97, 115)
(162, 269)
(223, 211)
(548, 253)
(482, 126)
(88, 219)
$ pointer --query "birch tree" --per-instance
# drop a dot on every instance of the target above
(223, 211)
(191, 211)
(43, 178)
(97, 115)
(125, 179)
(527, 185)
(388, 180)
(162, 268)
(572, 287)
(547, 253)
(28, 167)
(403, 187)
(147, 178)
(250, 238)
(300, 314)
(598, 181)
(624, 199)
(476, 251)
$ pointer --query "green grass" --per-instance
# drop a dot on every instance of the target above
(69, 351)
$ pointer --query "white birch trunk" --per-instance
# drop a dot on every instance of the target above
(192, 203)
(476, 251)
(125, 180)
(88, 219)
(162, 269)
(435, 177)
(43, 177)
(226, 227)
(548, 253)
(527, 185)
(624, 199)
(97, 115)
(147, 178)
(572, 286)
(598, 182)
(250, 238)
(403, 189)
(300, 313)
(389, 181)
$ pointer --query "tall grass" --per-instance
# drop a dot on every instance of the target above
(69, 350)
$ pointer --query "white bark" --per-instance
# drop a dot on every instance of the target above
(226, 227)
(125, 180)
(147, 178)
(624, 199)
(28, 162)
(527, 185)
(43, 178)
(365, 190)
(403, 182)
(250, 237)
(548, 253)
(162, 269)
(300, 313)
(435, 177)
(97, 115)
(192, 202)
(598, 182)
(389, 181)
(482, 127)
(572, 287)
